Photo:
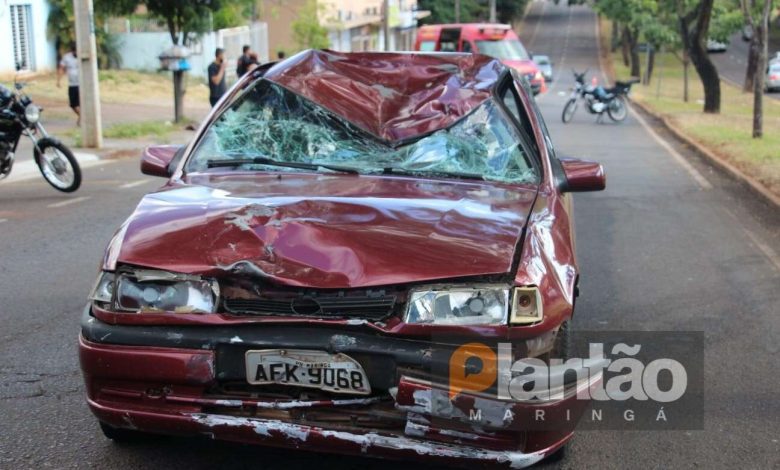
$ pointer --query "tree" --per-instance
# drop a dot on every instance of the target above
(308, 32)
(751, 14)
(694, 25)
(61, 27)
(234, 13)
(759, 23)
(185, 18)
(443, 11)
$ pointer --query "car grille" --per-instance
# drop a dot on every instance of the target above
(371, 306)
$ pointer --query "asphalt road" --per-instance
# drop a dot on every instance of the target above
(732, 64)
(671, 245)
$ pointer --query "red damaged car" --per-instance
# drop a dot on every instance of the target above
(341, 226)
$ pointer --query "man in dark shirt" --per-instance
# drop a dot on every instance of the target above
(244, 61)
(217, 86)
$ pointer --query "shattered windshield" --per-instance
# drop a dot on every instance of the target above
(271, 123)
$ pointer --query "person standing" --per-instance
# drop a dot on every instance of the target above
(244, 61)
(70, 65)
(217, 86)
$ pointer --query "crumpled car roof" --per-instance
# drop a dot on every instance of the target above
(394, 96)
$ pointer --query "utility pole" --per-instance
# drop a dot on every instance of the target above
(493, 11)
(89, 89)
(386, 24)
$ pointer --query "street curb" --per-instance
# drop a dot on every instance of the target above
(713, 158)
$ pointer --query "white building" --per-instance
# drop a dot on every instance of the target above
(23, 38)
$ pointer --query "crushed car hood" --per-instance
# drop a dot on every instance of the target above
(327, 231)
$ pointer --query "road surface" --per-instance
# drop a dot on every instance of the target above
(671, 245)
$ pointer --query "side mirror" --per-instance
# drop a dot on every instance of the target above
(583, 176)
(156, 160)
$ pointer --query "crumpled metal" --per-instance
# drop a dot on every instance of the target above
(394, 96)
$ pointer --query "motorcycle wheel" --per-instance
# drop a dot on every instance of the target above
(617, 109)
(568, 111)
(58, 165)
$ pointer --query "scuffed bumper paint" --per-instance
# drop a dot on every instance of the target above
(287, 435)
(165, 390)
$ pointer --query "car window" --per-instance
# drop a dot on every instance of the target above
(503, 49)
(428, 46)
(272, 122)
(512, 102)
(465, 46)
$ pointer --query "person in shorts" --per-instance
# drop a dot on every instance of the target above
(69, 65)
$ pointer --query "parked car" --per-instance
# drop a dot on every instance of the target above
(772, 82)
(495, 40)
(340, 224)
(545, 66)
(716, 46)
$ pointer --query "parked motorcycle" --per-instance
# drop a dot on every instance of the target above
(20, 116)
(598, 100)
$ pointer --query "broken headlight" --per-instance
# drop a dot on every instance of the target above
(485, 305)
(143, 291)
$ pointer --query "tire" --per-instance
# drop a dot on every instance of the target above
(56, 161)
(568, 111)
(123, 436)
(617, 109)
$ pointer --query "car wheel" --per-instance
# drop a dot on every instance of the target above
(123, 436)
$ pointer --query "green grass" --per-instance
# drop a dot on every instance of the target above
(728, 134)
(134, 130)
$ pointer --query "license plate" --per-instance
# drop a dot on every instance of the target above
(337, 373)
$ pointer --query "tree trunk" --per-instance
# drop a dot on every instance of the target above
(752, 64)
(761, 37)
(650, 64)
(630, 38)
(686, 66)
(708, 75)
(615, 38)
(694, 27)
(625, 47)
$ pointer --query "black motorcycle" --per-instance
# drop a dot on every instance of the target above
(598, 100)
(19, 116)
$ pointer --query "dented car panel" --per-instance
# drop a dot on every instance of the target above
(299, 229)
(389, 175)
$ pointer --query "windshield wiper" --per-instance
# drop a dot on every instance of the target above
(453, 174)
(221, 163)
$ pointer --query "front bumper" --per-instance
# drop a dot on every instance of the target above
(168, 388)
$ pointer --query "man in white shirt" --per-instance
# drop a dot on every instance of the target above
(70, 65)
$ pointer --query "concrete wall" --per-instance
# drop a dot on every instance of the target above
(43, 53)
(140, 51)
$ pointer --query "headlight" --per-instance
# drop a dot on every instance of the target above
(538, 75)
(486, 305)
(481, 305)
(143, 291)
(32, 113)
